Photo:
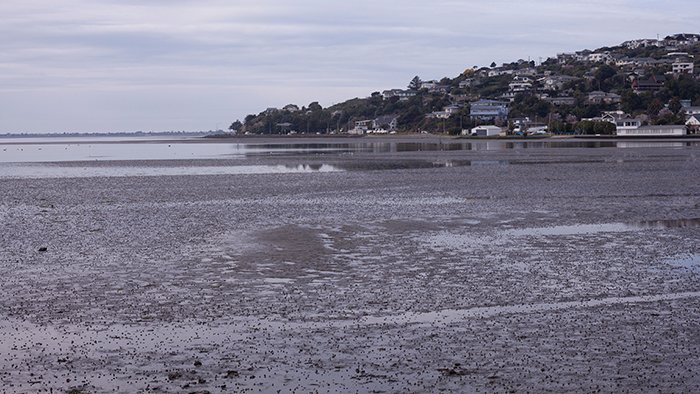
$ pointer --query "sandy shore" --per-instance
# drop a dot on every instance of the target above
(526, 270)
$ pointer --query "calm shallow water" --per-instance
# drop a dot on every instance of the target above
(31, 150)
(691, 262)
(42, 157)
(45, 171)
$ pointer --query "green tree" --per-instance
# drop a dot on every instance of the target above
(237, 125)
(590, 127)
(653, 108)
(315, 107)
(632, 102)
(675, 105)
(415, 83)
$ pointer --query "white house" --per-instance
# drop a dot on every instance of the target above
(654, 131)
(361, 127)
(693, 124)
(438, 115)
(626, 126)
(600, 57)
(690, 111)
(429, 84)
(402, 94)
(499, 71)
(680, 67)
(484, 131)
(643, 43)
(519, 86)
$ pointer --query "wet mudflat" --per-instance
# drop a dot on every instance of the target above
(400, 270)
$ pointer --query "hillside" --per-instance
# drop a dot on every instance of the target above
(656, 80)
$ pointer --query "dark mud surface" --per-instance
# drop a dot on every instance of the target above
(525, 270)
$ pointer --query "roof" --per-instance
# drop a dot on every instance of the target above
(661, 127)
(694, 119)
(487, 101)
(386, 118)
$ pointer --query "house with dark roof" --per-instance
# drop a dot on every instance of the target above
(599, 97)
(693, 124)
(651, 84)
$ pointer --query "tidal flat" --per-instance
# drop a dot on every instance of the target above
(376, 265)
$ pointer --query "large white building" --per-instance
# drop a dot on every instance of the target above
(653, 131)
(626, 126)
(484, 131)
(683, 67)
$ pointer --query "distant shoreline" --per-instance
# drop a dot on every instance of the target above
(315, 138)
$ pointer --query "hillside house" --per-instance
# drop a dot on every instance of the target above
(429, 84)
(682, 67)
(565, 100)
(600, 57)
(466, 83)
(361, 126)
(402, 94)
(652, 84)
(497, 72)
(555, 82)
(520, 84)
(693, 124)
(643, 43)
(386, 122)
(452, 109)
(488, 110)
(598, 97)
(690, 111)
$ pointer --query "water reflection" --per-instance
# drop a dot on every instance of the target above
(670, 223)
(41, 171)
(583, 229)
(52, 150)
(142, 150)
(691, 262)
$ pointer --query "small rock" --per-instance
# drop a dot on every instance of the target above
(174, 375)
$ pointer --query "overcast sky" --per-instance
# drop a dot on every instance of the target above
(157, 65)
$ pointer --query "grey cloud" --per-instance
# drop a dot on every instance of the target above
(255, 54)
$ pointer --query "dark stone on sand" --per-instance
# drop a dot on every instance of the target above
(174, 375)
(43, 249)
